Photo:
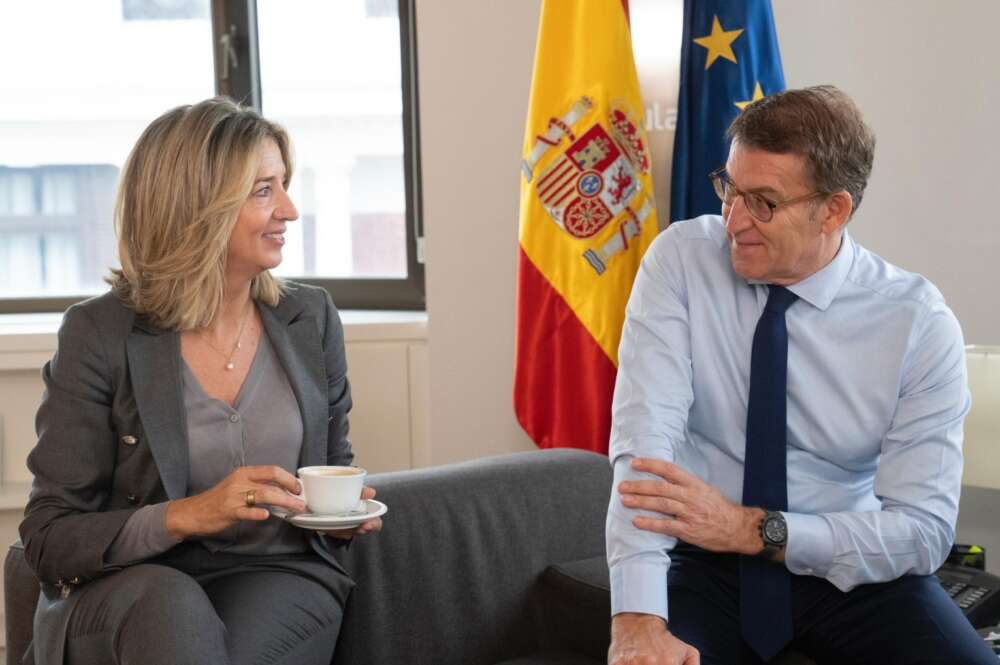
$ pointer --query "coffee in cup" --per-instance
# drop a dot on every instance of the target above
(332, 490)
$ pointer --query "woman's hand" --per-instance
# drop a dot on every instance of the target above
(365, 527)
(225, 504)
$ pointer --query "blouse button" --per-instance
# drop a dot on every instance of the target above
(129, 440)
(235, 418)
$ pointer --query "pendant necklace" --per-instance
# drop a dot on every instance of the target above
(238, 345)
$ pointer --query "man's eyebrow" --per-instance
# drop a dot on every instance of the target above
(758, 190)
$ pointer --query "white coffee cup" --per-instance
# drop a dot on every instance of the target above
(332, 490)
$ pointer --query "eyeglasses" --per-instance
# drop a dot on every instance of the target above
(758, 206)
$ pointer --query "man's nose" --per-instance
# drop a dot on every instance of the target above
(737, 216)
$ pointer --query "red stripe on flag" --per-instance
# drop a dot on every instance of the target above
(566, 178)
(554, 176)
(563, 380)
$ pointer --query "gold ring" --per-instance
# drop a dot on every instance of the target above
(251, 498)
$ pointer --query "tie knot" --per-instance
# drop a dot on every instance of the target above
(779, 299)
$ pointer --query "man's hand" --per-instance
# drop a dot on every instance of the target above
(697, 513)
(643, 639)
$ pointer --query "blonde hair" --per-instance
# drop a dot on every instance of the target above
(180, 193)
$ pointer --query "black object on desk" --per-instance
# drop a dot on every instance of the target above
(975, 591)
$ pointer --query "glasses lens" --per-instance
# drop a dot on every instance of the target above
(720, 189)
(757, 206)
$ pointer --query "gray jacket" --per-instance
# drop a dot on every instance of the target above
(112, 434)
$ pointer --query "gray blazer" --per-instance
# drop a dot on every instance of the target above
(112, 434)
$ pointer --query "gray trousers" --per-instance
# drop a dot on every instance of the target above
(200, 607)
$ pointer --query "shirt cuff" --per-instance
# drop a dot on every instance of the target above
(639, 587)
(810, 544)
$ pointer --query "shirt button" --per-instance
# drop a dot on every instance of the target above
(132, 498)
(235, 418)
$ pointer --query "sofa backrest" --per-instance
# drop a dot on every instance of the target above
(453, 576)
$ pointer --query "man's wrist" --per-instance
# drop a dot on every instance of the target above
(634, 619)
(752, 542)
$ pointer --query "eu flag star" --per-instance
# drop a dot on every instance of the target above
(719, 43)
(757, 94)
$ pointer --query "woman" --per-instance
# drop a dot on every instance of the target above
(176, 410)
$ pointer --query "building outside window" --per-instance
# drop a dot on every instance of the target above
(337, 75)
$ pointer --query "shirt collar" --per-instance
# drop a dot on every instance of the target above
(820, 288)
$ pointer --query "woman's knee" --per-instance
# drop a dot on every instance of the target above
(158, 595)
(145, 595)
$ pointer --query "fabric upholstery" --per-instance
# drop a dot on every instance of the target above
(455, 575)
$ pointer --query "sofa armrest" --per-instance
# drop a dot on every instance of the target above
(20, 599)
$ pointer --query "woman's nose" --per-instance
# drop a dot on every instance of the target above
(287, 210)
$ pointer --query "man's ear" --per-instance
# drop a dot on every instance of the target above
(838, 207)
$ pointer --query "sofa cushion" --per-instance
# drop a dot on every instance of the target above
(577, 601)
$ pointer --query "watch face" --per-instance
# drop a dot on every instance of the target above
(775, 530)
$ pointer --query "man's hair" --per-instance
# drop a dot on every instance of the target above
(180, 194)
(822, 125)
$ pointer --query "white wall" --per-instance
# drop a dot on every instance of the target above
(923, 71)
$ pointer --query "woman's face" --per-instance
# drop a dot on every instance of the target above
(256, 242)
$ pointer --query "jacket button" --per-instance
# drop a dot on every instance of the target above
(132, 498)
(129, 440)
(75, 580)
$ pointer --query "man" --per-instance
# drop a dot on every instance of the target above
(787, 421)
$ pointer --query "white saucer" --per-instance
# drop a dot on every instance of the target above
(371, 510)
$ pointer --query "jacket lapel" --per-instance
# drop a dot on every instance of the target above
(294, 334)
(154, 367)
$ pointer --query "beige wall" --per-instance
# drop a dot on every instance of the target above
(924, 72)
(475, 60)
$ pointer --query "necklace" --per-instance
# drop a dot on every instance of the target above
(238, 345)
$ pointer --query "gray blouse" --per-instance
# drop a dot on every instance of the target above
(264, 427)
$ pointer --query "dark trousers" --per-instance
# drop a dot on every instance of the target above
(198, 607)
(904, 622)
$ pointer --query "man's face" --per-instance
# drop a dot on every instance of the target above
(788, 248)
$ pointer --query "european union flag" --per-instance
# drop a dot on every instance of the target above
(729, 58)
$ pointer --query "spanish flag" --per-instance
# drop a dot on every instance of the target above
(587, 215)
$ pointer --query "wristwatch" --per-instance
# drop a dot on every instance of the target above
(774, 533)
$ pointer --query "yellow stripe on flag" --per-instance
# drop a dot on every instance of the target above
(587, 211)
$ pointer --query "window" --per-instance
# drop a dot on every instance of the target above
(338, 75)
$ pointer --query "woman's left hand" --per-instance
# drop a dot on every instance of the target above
(371, 526)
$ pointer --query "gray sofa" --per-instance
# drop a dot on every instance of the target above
(498, 560)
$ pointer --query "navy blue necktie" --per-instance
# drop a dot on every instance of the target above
(765, 587)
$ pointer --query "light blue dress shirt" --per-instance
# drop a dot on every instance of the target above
(877, 394)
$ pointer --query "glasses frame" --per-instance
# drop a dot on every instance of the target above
(721, 184)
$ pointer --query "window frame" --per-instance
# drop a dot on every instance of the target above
(238, 20)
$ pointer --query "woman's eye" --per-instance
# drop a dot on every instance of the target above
(263, 191)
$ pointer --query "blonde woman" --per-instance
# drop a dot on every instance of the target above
(176, 410)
